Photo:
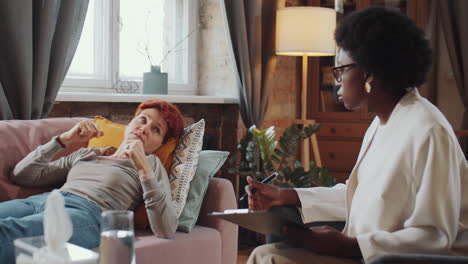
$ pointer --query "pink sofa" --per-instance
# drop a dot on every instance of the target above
(211, 240)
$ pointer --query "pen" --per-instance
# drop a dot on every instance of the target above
(266, 180)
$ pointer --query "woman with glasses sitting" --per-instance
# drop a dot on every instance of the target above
(408, 191)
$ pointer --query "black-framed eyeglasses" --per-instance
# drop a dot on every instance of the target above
(338, 71)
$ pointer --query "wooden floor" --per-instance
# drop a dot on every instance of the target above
(243, 255)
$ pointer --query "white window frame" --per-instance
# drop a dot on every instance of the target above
(107, 45)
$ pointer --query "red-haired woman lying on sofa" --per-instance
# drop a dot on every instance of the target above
(97, 179)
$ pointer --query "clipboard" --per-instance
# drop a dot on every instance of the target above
(267, 222)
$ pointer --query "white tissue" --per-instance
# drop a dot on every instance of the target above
(58, 229)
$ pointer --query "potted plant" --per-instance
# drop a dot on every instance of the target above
(260, 155)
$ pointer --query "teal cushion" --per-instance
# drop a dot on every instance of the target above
(209, 162)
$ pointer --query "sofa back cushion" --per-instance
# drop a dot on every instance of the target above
(19, 138)
(209, 162)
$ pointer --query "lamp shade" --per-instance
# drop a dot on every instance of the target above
(305, 31)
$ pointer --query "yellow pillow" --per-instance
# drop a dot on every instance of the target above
(113, 136)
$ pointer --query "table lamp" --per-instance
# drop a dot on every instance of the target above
(306, 31)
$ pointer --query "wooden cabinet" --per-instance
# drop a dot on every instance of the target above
(342, 131)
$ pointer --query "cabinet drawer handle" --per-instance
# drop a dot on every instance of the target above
(333, 130)
(331, 155)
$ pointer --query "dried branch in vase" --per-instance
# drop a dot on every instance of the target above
(144, 47)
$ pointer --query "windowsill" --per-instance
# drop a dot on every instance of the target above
(138, 98)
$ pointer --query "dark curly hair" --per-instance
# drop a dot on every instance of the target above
(386, 44)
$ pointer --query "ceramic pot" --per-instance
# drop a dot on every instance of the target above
(155, 81)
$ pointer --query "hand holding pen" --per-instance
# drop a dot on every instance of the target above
(262, 196)
(267, 180)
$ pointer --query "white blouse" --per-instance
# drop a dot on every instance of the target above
(408, 192)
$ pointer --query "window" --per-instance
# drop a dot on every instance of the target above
(121, 39)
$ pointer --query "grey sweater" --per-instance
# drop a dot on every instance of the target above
(113, 184)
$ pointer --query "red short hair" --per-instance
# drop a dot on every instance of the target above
(170, 113)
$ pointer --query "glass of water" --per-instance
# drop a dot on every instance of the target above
(117, 237)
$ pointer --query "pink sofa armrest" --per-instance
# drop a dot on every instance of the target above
(219, 197)
(19, 137)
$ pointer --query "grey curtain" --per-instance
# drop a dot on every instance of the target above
(454, 23)
(252, 30)
(38, 41)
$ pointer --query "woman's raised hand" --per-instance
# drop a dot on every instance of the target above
(264, 197)
(81, 132)
(134, 150)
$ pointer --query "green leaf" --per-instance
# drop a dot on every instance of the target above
(275, 158)
(325, 178)
(280, 153)
(297, 164)
(312, 164)
(249, 156)
(250, 146)
(309, 130)
(283, 149)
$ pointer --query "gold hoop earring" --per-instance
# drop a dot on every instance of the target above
(367, 87)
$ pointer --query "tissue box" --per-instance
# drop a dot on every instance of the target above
(78, 255)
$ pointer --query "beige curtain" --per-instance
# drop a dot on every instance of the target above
(39, 39)
(454, 22)
(251, 26)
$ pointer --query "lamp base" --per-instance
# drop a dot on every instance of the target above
(308, 144)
